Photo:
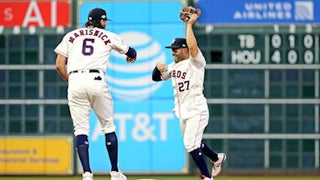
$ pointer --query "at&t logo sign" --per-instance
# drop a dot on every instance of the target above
(132, 82)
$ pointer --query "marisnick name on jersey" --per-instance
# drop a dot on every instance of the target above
(90, 32)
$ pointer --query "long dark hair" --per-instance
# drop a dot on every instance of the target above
(94, 23)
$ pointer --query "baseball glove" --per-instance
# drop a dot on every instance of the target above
(186, 11)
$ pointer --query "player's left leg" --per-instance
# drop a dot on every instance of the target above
(80, 109)
(216, 159)
(83, 152)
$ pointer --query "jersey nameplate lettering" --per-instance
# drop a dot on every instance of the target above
(90, 32)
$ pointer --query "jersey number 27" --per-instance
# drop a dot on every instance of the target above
(183, 86)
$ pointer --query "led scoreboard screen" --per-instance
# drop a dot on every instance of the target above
(273, 45)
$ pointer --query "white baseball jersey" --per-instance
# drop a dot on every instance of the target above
(89, 48)
(187, 82)
(88, 51)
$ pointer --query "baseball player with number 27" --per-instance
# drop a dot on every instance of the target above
(82, 58)
(187, 74)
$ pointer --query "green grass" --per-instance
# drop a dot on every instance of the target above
(163, 178)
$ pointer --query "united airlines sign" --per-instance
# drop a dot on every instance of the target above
(259, 12)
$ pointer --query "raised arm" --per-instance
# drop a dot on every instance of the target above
(191, 39)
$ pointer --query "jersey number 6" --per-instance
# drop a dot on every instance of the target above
(87, 48)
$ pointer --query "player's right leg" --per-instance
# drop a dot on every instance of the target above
(193, 131)
(103, 107)
(112, 148)
(198, 158)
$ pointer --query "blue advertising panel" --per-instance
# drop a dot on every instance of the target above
(259, 12)
(148, 132)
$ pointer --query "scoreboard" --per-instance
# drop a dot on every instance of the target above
(262, 87)
(277, 44)
(276, 53)
(290, 46)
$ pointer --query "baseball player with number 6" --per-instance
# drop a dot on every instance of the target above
(82, 58)
(190, 105)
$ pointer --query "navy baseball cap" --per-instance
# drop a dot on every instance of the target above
(178, 43)
(97, 14)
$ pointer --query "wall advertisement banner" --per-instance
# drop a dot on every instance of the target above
(26, 13)
(148, 132)
(36, 155)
